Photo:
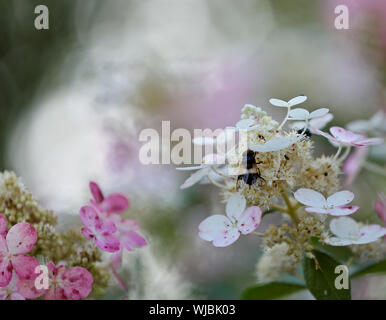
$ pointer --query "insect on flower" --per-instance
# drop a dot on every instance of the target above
(335, 205)
(249, 161)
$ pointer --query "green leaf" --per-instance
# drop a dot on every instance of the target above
(321, 281)
(341, 254)
(376, 267)
(273, 290)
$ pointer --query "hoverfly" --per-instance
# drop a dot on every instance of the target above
(253, 174)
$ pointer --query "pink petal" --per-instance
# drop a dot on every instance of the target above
(368, 141)
(133, 240)
(96, 192)
(310, 198)
(353, 164)
(380, 209)
(213, 226)
(21, 238)
(343, 135)
(116, 259)
(5, 271)
(55, 293)
(3, 225)
(115, 203)
(3, 246)
(227, 238)
(90, 218)
(107, 227)
(249, 220)
(16, 296)
(25, 266)
(28, 289)
(88, 233)
(371, 233)
(107, 243)
(77, 283)
(340, 198)
(343, 210)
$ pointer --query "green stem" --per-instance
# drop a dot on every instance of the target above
(338, 152)
(345, 154)
(290, 209)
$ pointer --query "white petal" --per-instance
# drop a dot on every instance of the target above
(297, 100)
(345, 228)
(201, 166)
(194, 178)
(371, 233)
(320, 122)
(340, 198)
(249, 220)
(235, 206)
(213, 227)
(334, 241)
(359, 126)
(297, 125)
(310, 198)
(278, 103)
(319, 113)
(343, 210)
(316, 210)
(227, 238)
(299, 114)
(245, 123)
(273, 145)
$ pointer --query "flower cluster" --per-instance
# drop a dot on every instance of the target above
(272, 169)
(74, 268)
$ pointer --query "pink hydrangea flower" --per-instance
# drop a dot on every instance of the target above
(74, 283)
(128, 233)
(129, 237)
(223, 230)
(100, 230)
(380, 207)
(353, 164)
(335, 205)
(347, 138)
(19, 240)
(11, 291)
(113, 203)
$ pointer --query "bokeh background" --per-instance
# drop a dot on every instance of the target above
(74, 98)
